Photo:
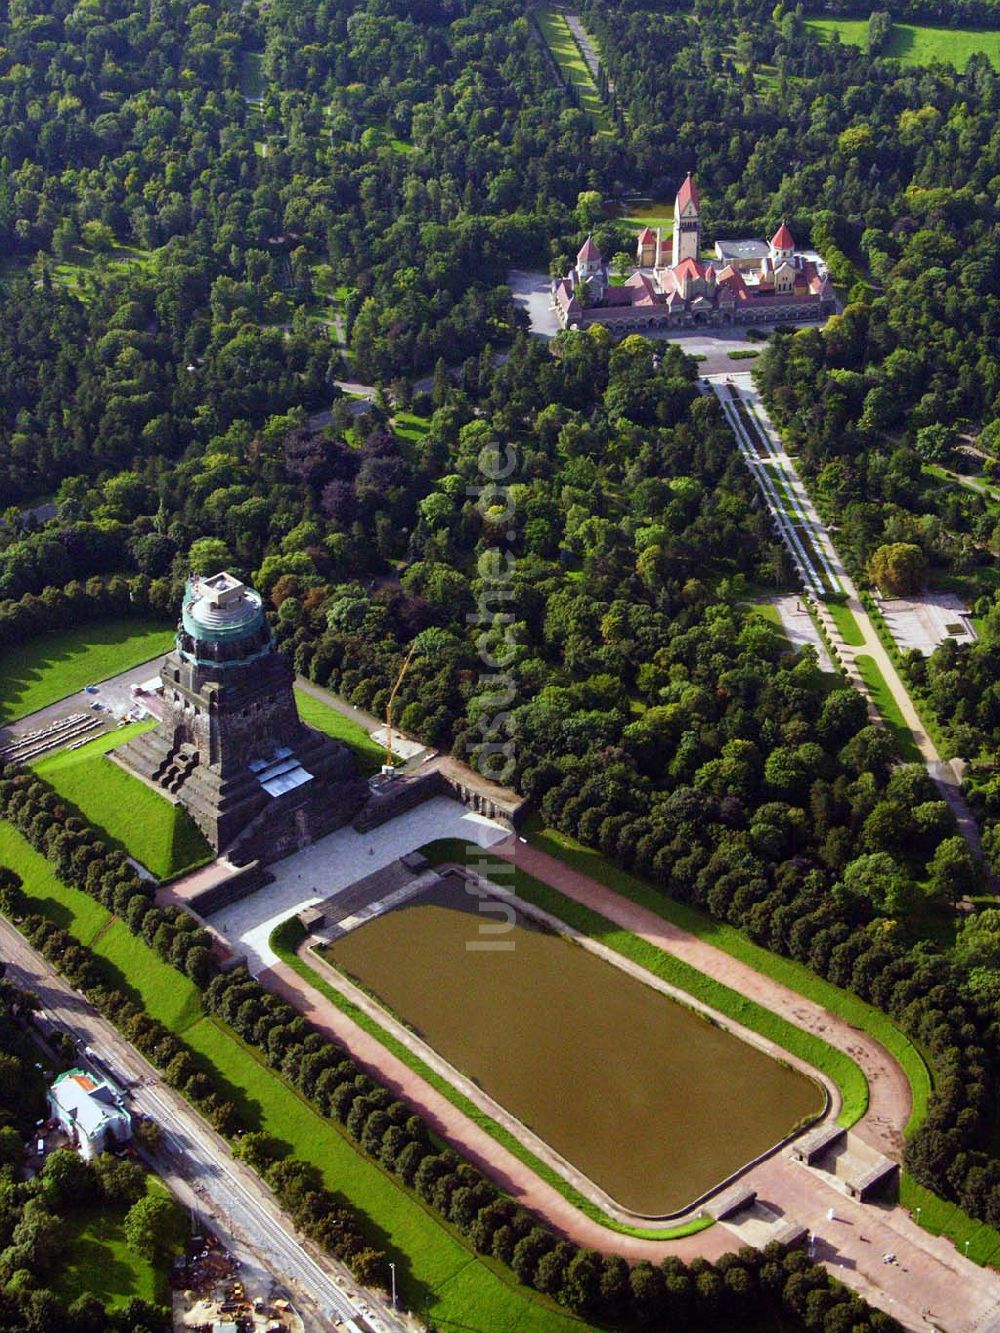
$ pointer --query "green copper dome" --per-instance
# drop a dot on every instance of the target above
(220, 609)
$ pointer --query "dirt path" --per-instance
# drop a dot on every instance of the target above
(889, 1091)
(928, 1275)
(474, 1143)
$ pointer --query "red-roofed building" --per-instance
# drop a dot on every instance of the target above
(782, 244)
(750, 281)
(589, 260)
(687, 222)
(647, 248)
(687, 194)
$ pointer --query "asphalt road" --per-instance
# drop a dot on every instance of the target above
(197, 1165)
(113, 693)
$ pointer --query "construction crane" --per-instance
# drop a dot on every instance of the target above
(387, 767)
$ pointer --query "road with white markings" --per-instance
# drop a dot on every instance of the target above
(197, 1163)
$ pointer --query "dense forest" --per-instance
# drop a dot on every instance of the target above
(211, 214)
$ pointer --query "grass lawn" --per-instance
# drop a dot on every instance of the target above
(981, 581)
(796, 976)
(433, 1263)
(163, 837)
(410, 426)
(99, 1260)
(131, 965)
(918, 44)
(251, 74)
(989, 494)
(562, 44)
(285, 939)
(769, 612)
(51, 666)
(650, 213)
(76, 912)
(947, 1219)
(885, 702)
(368, 755)
(850, 630)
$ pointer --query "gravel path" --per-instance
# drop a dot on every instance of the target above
(928, 1273)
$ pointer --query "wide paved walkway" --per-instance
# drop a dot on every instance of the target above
(941, 772)
(928, 1275)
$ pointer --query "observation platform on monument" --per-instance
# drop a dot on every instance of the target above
(230, 745)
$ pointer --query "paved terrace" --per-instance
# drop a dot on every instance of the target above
(928, 1274)
(334, 863)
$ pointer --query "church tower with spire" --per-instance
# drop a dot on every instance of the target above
(687, 223)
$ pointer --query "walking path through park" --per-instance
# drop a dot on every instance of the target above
(928, 1274)
(816, 558)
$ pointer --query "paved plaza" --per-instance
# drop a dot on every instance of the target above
(533, 293)
(924, 622)
(800, 628)
(334, 863)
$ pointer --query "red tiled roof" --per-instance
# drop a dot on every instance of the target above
(732, 280)
(690, 268)
(782, 238)
(589, 253)
(647, 236)
(688, 193)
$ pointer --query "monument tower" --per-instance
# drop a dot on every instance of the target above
(687, 222)
(229, 744)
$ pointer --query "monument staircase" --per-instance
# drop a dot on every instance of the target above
(175, 768)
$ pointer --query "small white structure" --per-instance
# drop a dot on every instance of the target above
(90, 1111)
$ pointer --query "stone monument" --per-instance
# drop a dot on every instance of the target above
(230, 745)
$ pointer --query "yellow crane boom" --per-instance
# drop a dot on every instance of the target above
(388, 707)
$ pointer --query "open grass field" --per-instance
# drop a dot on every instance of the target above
(130, 963)
(54, 665)
(947, 1219)
(918, 44)
(649, 213)
(76, 912)
(162, 837)
(435, 1268)
(885, 702)
(99, 1260)
(410, 426)
(367, 753)
(562, 44)
(794, 975)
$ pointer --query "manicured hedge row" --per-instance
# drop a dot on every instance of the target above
(702, 1295)
(793, 913)
(317, 1213)
(81, 859)
(78, 602)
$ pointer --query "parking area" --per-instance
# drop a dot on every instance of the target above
(925, 622)
(110, 702)
(533, 293)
